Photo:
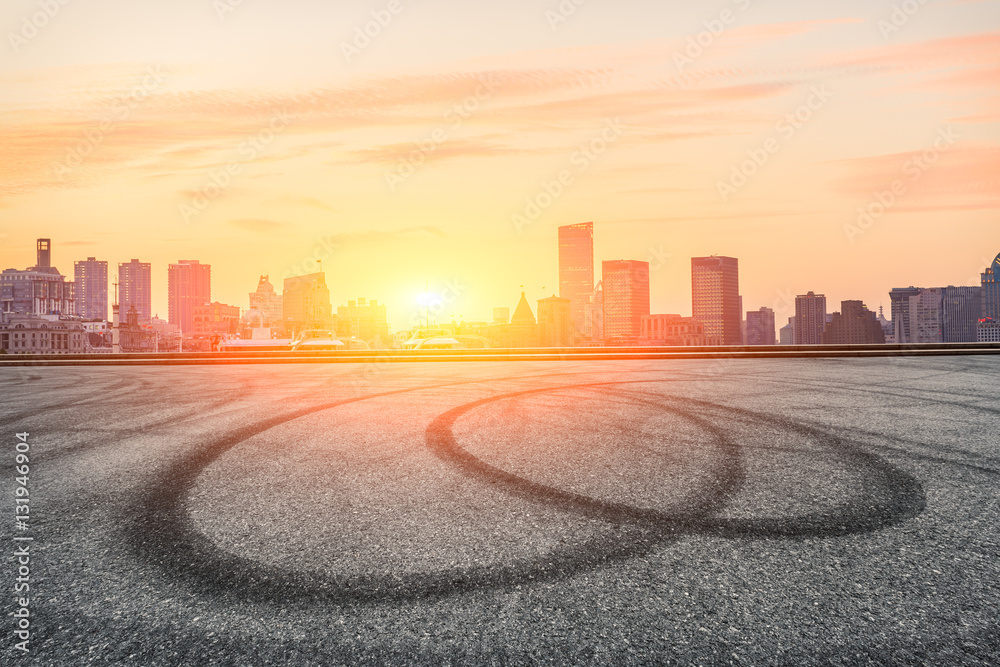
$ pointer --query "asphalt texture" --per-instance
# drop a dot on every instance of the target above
(686, 512)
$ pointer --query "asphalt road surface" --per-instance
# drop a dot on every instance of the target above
(703, 512)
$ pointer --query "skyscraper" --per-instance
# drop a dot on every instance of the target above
(626, 297)
(760, 327)
(91, 276)
(135, 289)
(576, 269)
(810, 318)
(961, 309)
(715, 298)
(989, 324)
(900, 311)
(189, 284)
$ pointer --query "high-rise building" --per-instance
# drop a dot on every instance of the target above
(715, 298)
(760, 327)
(961, 309)
(626, 297)
(305, 303)
(135, 289)
(989, 316)
(854, 324)
(926, 316)
(810, 318)
(91, 277)
(365, 320)
(189, 284)
(38, 290)
(900, 311)
(555, 322)
(576, 269)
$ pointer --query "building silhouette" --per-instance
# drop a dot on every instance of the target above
(501, 315)
(625, 285)
(988, 330)
(364, 320)
(91, 290)
(216, 318)
(786, 335)
(37, 290)
(853, 324)
(810, 318)
(760, 327)
(960, 313)
(900, 311)
(576, 270)
(305, 304)
(135, 288)
(715, 298)
(189, 285)
(265, 306)
(673, 330)
(555, 322)
(523, 329)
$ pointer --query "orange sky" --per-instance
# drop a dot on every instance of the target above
(256, 136)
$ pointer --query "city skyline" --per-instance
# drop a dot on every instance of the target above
(801, 139)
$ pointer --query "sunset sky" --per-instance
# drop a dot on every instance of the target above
(258, 135)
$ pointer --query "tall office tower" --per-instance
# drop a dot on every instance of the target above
(760, 327)
(715, 298)
(189, 284)
(900, 311)
(989, 316)
(305, 303)
(576, 269)
(961, 309)
(37, 290)
(626, 297)
(810, 318)
(135, 289)
(926, 314)
(854, 324)
(555, 322)
(91, 277)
